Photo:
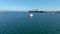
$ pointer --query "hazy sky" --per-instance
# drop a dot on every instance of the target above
(29, 4)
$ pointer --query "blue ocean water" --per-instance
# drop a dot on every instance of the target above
(21, 23)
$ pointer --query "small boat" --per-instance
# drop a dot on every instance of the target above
(31, 15)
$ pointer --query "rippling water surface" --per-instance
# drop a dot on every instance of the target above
(21, 23)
